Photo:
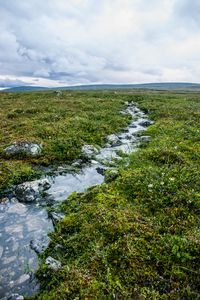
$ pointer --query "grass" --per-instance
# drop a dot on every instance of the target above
(61, 124)
(137, 236)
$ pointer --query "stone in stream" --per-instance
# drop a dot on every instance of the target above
(125, 130)
(17, 208)
(113, 140)
(124, 112)
(1, 251)
(77, 163)
(145, 138)
(56, 217)
(89, 150)
(31, 191)
(101, 171)
(23, 147)
(53, 264)
(146, 123)
(14, 297)
(133, 126)
(38, 245)
(23, 278)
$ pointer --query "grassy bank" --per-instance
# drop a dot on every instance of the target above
(136, 237)
(61, 124)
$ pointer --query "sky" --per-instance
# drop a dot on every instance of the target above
(70, 42)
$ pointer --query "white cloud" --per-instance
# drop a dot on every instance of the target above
(83, 41)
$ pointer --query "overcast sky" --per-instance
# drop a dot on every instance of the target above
(65, 42)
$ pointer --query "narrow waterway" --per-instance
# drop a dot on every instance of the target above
(23, 224)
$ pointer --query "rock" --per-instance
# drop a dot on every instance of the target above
(23, 147)
(52, 263)
(77, 163)
(125, 130)
(4, 200)
(145, 138)
(13, 200)
(23, 278)
(58, 93)
(56, 216)
(114, 140)
(43, 184)
(146, 123)
(89, 150)
(101, 171)
(15, 297)
(133, 126)
(31, 191)
(128, 137)
(94, 162)
(1, 251)
(124, 112)
(136, 110)
(17, 208)
(38, 245)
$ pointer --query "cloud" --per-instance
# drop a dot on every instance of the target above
(188, 12)
(81, 41)
(6, 82)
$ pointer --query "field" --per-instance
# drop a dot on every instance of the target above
(134, 237)
(61, 124)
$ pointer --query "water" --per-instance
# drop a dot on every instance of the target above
(20, 223)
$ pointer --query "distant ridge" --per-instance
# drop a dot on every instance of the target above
(148, 86)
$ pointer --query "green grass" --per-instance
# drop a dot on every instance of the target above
(61, 124)
(138, 236)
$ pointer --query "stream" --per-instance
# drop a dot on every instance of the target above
(23, 224)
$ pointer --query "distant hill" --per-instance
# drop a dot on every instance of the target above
(25, 89)
(149, 86)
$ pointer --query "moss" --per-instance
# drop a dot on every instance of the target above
(136, 236)
(61, 125)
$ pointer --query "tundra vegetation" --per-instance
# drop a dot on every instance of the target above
(136, 236)
(61, 124)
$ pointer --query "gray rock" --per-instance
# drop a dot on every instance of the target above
(43, 184)
(101, 171)
(125, 130)
(89, 150)
(58, 93)
(133, 126)
(136, 110)
(56, 216)
(1, 251)
(145, 138)
(23, 147)
(114, 140)
(23, 278)
(94, 162)
(31, 191)
(39, 245)
(146, 123)
(52, 263)
(15, 297)
(17, 208)
(77, 163)
(128, 137)
(124, 112)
